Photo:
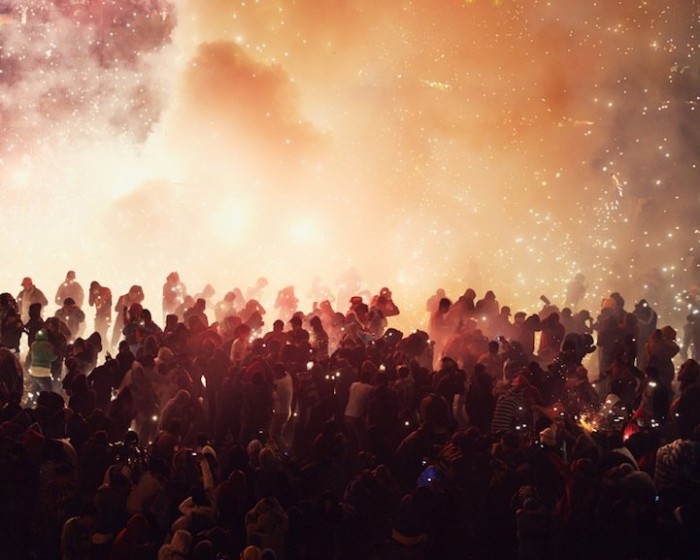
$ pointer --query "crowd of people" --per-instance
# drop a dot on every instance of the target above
(330, 434)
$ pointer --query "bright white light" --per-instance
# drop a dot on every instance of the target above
(304, 231)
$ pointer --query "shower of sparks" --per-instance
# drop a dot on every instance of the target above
(495, 144)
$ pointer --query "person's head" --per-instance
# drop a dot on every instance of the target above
(444, 304)
(669, 333)
(618, 299)
(173, 277)
(242, 331)
(479, 370)
(295, 322)
(70, 276)
(136, 292)
(493, 347)
(134, 312)
(27, 282)
(68, 302)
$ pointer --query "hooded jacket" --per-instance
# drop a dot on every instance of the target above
(42, 350)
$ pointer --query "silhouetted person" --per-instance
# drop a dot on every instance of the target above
(647, 320)
(174, 292)
(134, 295)
(72, 316)
(70, 288)
(286, 303)
(100, 297)
(29, 294)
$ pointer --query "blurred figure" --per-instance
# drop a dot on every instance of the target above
(225, 308)
(35, 322)
(11, 326)
(73, 317)
(691, 337)
(464, 308)
(252, 315)
(134, 295)
(551, 340)
(654, 401)
(501, 325)
(257, 291)
(319, 291)
(486, 310)
(283, 392)
(196, 312)
(576, 290)
(385, 303)
(376, 322)
(440, 330)
(42, 356)
(206, 294)
(646, 321)
(349, 285)
(433, 302)
(319, 339)
(187, 304)
(659, 351)
(100, 297)
(174, 292)
(29, 294)
(524, 329)
(287, 303)
(58, 336)
(148, 326)
(70, 288)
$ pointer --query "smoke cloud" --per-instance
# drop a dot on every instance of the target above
(497, 145)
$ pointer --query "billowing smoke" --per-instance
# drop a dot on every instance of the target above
(502, 145)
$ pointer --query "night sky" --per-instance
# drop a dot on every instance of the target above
(504, 145)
